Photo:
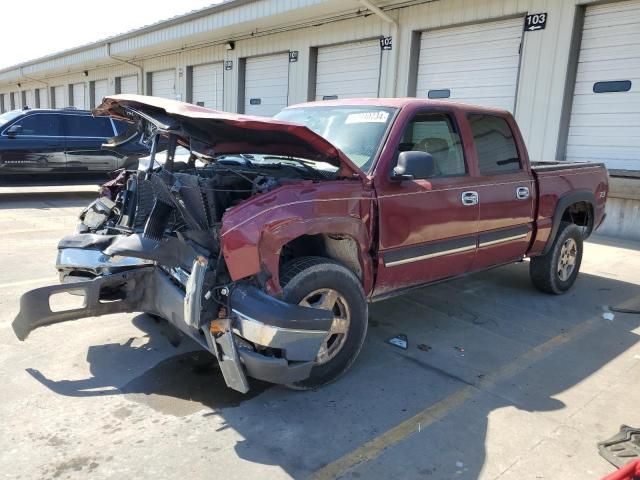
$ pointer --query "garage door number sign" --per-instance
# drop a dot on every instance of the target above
(386, 43)
(535, 21)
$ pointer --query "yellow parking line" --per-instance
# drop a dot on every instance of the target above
(373, 448)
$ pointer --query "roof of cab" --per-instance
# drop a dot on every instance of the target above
(400, 102)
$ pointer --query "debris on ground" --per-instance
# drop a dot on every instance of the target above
(625, 310)
(623, 447)
(400, 341)
(424, 347)
(460, 349)
(608, 316)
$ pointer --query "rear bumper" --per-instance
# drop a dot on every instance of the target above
(263, 337)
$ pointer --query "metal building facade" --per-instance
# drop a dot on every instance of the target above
(474, 50)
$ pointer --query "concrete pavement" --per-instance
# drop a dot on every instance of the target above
(511, 383)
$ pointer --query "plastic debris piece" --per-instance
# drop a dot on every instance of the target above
(632, 311)
(424, 347)
(460, 349)
(459, 464)
(608, 316)
(400, 341)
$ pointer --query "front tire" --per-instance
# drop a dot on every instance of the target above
(323, 283)
(556, 272)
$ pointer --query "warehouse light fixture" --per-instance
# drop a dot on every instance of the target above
(230, 45)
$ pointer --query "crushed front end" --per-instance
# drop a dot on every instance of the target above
(150, 243)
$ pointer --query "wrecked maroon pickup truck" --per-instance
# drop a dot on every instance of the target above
(267, 244)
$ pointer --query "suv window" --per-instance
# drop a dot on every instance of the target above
(88, 126)
(496, 147)
(436, 134)
(121, 126)
(45, 124)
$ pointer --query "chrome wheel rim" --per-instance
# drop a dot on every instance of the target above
(329, 299)
(567, 260)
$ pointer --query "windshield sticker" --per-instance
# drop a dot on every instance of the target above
(367, 117)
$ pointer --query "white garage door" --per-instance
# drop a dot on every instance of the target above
(474, 64)
(266, 87)
(29, 99)
(207, 86)
(163, 84)
(42, 98)
(100, 90)
(348, 71)
(129, 84)
(59, 97)
(605, 116)
(78, 95)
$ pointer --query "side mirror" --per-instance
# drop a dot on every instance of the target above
(14, 130)
(413, 164)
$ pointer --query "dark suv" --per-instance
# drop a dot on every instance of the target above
(62, 141)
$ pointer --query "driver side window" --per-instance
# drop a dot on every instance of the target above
(435, 134)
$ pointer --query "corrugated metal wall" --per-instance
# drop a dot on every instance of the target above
(542, 78)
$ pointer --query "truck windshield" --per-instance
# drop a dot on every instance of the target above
(356, 130)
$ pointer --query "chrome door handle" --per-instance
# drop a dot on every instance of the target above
(522, 193)
(469, 198)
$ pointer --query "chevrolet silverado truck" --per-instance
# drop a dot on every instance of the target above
(268, 243)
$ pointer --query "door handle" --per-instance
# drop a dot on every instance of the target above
(522, 193)
(469, 198)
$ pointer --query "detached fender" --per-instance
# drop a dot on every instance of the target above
(563, 203)
(272, 241)
(254, 233)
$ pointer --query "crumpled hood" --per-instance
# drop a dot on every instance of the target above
(217, 133)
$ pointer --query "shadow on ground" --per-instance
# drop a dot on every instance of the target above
(467, 329)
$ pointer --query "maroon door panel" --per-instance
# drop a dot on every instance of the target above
(506, 194)
(426, 233)
(428, 226)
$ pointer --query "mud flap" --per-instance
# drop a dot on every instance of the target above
(226, 351)
(35, 305)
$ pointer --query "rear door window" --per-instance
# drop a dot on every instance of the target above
(496, 147)
(88, 126)
(41, 124)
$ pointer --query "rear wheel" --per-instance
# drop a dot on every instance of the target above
(319, 282)
(557, 271)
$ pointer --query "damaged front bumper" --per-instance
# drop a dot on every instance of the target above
(260, 337)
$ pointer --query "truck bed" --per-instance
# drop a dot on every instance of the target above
(552, 165)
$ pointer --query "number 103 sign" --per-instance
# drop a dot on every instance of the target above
(535, 21)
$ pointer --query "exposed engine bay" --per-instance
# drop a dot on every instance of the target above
(151, 242)
(186, 204)
(188, 201)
